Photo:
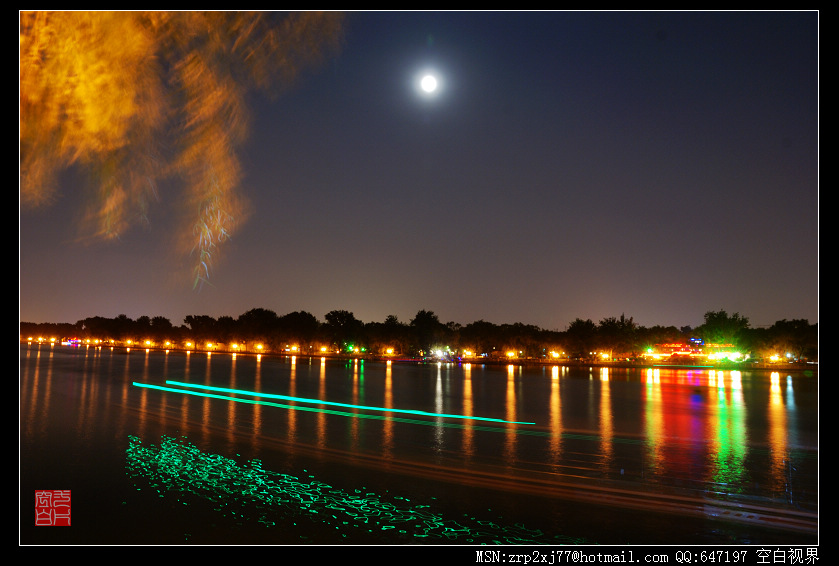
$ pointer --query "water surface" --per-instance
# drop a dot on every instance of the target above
(364, 452)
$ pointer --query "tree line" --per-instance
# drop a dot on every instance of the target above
(426, 335)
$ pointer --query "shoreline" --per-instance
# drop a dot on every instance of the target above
(796, 367)
(786, 367)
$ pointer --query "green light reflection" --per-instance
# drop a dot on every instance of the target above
(314, 510)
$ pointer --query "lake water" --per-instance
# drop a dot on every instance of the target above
(175, 448)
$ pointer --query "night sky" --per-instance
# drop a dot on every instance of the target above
(571, 165)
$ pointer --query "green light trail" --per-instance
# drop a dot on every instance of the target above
(345, 405)
(316, 409)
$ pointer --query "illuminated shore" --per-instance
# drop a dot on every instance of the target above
(478, 360)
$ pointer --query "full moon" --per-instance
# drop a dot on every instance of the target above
(429, 83)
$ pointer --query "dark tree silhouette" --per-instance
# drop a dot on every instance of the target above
(342, 328)
(427, 329)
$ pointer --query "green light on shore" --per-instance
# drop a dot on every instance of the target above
(316, 401)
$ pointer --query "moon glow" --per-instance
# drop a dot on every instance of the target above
(429, 83)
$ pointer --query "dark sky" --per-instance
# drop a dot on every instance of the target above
(657, 165)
